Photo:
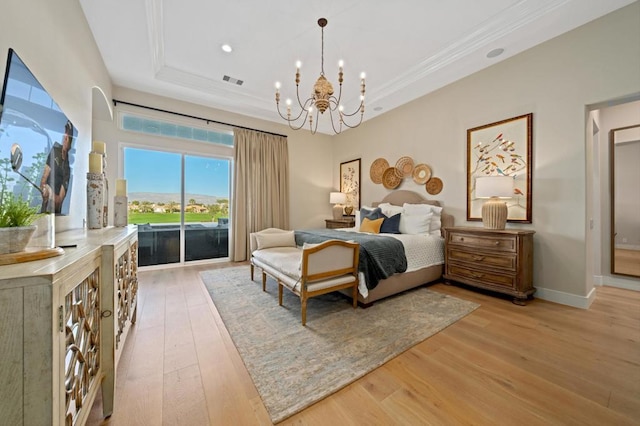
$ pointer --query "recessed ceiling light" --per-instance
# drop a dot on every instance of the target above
(495, 52)
(227, 48)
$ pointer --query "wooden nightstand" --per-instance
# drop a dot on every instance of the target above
(497, 260)
(347, 222)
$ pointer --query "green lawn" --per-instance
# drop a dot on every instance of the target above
(168, 217)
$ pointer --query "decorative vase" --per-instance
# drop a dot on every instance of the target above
(15, 239)
(95, 200)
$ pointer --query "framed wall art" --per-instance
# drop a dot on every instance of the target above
(501, 149)
(350, 182)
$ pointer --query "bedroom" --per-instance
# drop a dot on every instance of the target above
(529, 84)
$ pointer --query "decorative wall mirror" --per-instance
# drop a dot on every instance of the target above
(624, 154)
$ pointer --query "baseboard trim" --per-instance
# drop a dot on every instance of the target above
(582, 302)
(621, 282)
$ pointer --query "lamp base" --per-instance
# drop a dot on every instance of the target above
(494, 213)
(337, 212)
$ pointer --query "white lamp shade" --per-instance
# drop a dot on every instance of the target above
(494, 186)
(337, 198)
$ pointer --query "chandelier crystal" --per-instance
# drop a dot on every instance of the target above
(322, 99)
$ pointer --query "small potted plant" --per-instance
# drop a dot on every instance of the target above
(16, 218)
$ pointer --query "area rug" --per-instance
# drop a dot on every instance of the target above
(294, 366)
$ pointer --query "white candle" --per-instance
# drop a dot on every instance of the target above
(98, 146)
(121, 187)
(95, 163)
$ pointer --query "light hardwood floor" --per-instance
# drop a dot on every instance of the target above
(503, 364)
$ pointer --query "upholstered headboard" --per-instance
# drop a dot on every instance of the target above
(401, 196)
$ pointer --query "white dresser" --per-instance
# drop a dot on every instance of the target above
(63, 323)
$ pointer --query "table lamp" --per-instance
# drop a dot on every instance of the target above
(337, 199)
(494, 210)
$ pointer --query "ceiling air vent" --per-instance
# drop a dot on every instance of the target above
(232, 80)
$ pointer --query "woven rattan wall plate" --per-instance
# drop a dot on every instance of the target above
(421, 174)
(404, 167)
(390, 178)
(377, 170)
(434, 186)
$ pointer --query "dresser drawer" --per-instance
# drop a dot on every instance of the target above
(492, 242)
(464, 274)
(507, 261)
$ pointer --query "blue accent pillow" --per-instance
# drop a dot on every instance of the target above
(390, 225)
(371, 214)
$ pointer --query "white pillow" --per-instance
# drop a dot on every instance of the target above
(415, 224)
(276, 239)
(417, 209)
(434, 227)
(421, 209)
(389, 209)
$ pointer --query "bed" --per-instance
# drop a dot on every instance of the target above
(419, 272)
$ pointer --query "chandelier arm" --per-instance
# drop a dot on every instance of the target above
(353, 126)
(333, 125)
(359, 110)
(287, 118)
(298, 96)
(301, 124)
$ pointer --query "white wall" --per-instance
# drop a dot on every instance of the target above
(555, 81)
(54, 41)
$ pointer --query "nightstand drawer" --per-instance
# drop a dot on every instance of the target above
(463, 274)
(499, 243)
(507, 261)
(347, 222)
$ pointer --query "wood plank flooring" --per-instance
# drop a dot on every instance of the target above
(503, 364)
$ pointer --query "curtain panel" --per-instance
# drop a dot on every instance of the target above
(261, 187)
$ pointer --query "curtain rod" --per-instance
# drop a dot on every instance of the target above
(208, 120)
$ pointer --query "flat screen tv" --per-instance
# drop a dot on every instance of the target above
(36, 142)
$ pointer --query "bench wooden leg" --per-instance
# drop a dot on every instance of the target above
(303, 301)
(279, 293)
(264, 281)
(355, 296)
(252, 272)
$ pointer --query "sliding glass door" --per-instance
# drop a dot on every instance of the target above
(180, 203)
(206, 211)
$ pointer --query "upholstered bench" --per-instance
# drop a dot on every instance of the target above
(307, 271)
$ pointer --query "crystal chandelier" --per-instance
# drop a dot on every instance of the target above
(321, 99)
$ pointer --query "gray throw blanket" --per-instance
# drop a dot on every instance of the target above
(380, 257)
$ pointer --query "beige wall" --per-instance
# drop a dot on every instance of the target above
(555, 81)
(54, 41)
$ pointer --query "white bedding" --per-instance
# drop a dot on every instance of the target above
(421, 250)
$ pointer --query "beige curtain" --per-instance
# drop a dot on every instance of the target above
(261, 187)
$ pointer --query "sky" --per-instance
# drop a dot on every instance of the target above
(159, 172)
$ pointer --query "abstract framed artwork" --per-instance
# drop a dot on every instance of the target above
(503, 148)
(350, 182)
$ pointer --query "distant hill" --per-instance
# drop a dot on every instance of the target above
(155, 197)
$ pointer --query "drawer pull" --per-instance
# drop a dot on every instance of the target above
(478, 258)
(497, 243)
(476, 275)
(461, 238)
